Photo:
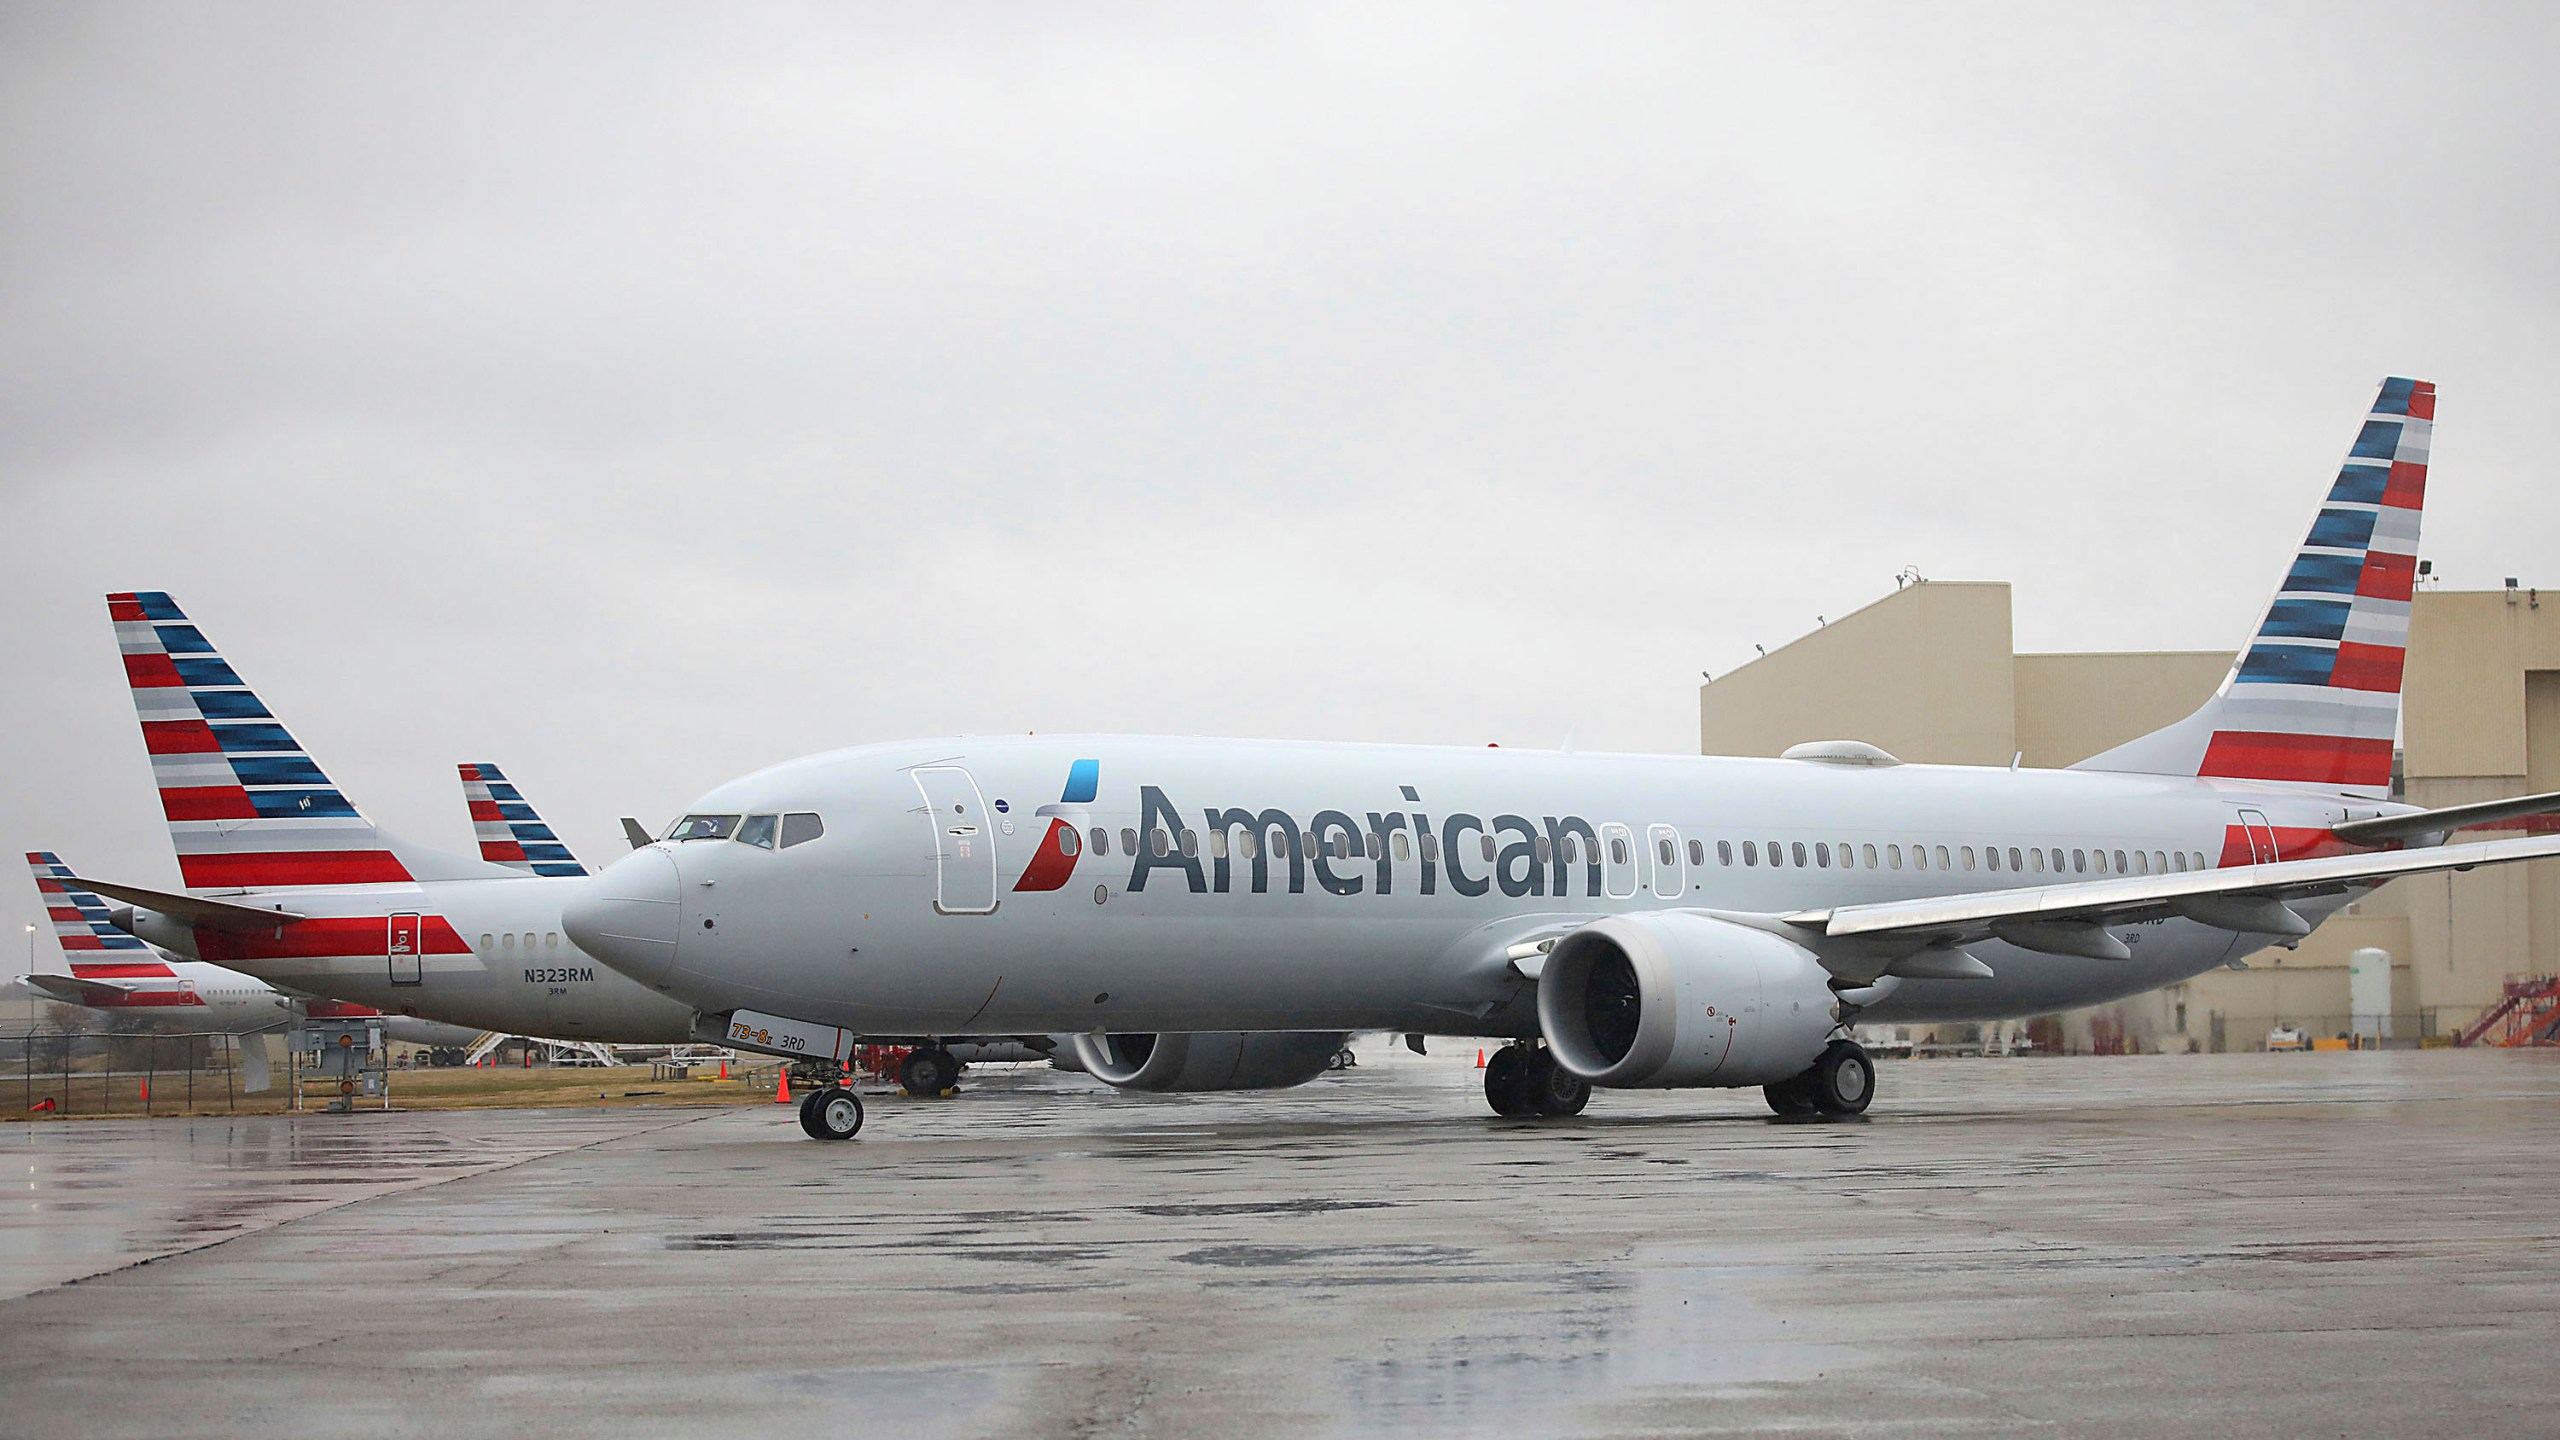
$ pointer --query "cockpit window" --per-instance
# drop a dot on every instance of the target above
(757, 830)
(800, 827)
(703, 827)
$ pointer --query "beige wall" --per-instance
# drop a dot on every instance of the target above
(2070, 707)
(2481, 719)
(1924, 672)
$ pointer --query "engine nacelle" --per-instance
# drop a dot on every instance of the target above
(1670, 999)
(1208, 1060)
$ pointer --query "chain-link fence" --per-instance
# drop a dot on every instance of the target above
(58, 1072)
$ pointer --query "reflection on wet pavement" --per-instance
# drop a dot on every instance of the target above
(2136, 1246)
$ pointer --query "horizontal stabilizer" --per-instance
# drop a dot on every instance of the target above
(194, 910)
(2447, 820)
(66, 989)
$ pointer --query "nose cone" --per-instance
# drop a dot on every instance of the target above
(626, 916)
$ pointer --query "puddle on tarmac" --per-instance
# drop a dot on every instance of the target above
(1667, 1325)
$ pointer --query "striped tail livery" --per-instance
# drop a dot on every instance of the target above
(2315, 698)
(511, 832)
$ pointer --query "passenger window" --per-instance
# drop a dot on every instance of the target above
(1217, 844)
(1129, 840)
(1101, 841)
(1488, 847)
(2179, 858)
(2057, 859)
(1968, 857)
(2098, 861)
(551, 940)
(800, 827)
(1543, 847)
(1919, 857)
(488, 943)
(1697, 852)
(1750, 853)
(2079, 862)
(2159, 863)
(1821, 854)
(2200, 865)
(2013, 859)
(1893, 856)
(1248, 844)
(1067, 840)
(2141, 863)
(1617, 851)
(1777, 854)
(1158, 844)
(1431, 848)
(1724, 852)
(1307, 845)
(1190, 844)
(2037, 856)
(1990, 857)
(2120, 862)
(703, 827)
(1404, 848)
(1869, 857)
(1664, 854)
(1796, 853)
(757, 830)
(507, 941)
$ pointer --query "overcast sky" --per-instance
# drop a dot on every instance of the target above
(636, 396)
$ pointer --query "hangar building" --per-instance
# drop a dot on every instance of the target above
(1929, 674)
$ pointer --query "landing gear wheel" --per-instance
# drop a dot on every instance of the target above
(1554, 1091)
(929, 1072)
(1842, 1081)
(1789, 1098)
(834, 1113)
(1508, 1080)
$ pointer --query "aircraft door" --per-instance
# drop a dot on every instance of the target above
(2262, 836)
(408, 966)
(1618, 860)
(964, 843)
(1670, 880)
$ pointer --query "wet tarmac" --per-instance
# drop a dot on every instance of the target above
(2214, 1244)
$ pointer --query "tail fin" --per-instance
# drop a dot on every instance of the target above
(2315, 699)
(95, 949)
(511, 833)
(247, 808)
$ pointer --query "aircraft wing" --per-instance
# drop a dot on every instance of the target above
(193, 909)
(2071, 919)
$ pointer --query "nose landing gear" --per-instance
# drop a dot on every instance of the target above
(833, 1113)
(1525, 1080)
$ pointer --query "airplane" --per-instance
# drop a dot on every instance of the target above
(111, 971)
(1625, 921)
(287, 881)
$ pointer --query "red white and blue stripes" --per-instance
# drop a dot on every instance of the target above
(246, 806)
(80, 924)
(509, 830)
(2316, 697)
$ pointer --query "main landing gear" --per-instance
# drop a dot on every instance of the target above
(1525, 1080)
(928, 1072)
(833, 1113)
(1838, 1085)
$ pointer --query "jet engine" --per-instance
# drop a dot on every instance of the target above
(1208, 1060)
(1673, 999)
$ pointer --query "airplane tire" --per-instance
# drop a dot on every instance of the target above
(1507, 1081)
(1554, 1091)
(834, 1113)
(1790, 1098)
(929, 1072)
(1843, 1081)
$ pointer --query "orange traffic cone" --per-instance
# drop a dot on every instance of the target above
(782, 1089)
(1479, 1059)
(146, 1092)
(724, 1069)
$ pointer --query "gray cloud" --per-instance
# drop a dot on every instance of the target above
(633, 396)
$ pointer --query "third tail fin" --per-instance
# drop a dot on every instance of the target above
(510, 832)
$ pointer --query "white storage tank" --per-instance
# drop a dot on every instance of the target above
(2369, 992)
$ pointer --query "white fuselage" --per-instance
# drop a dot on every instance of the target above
(482, 954)
(896, 921)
